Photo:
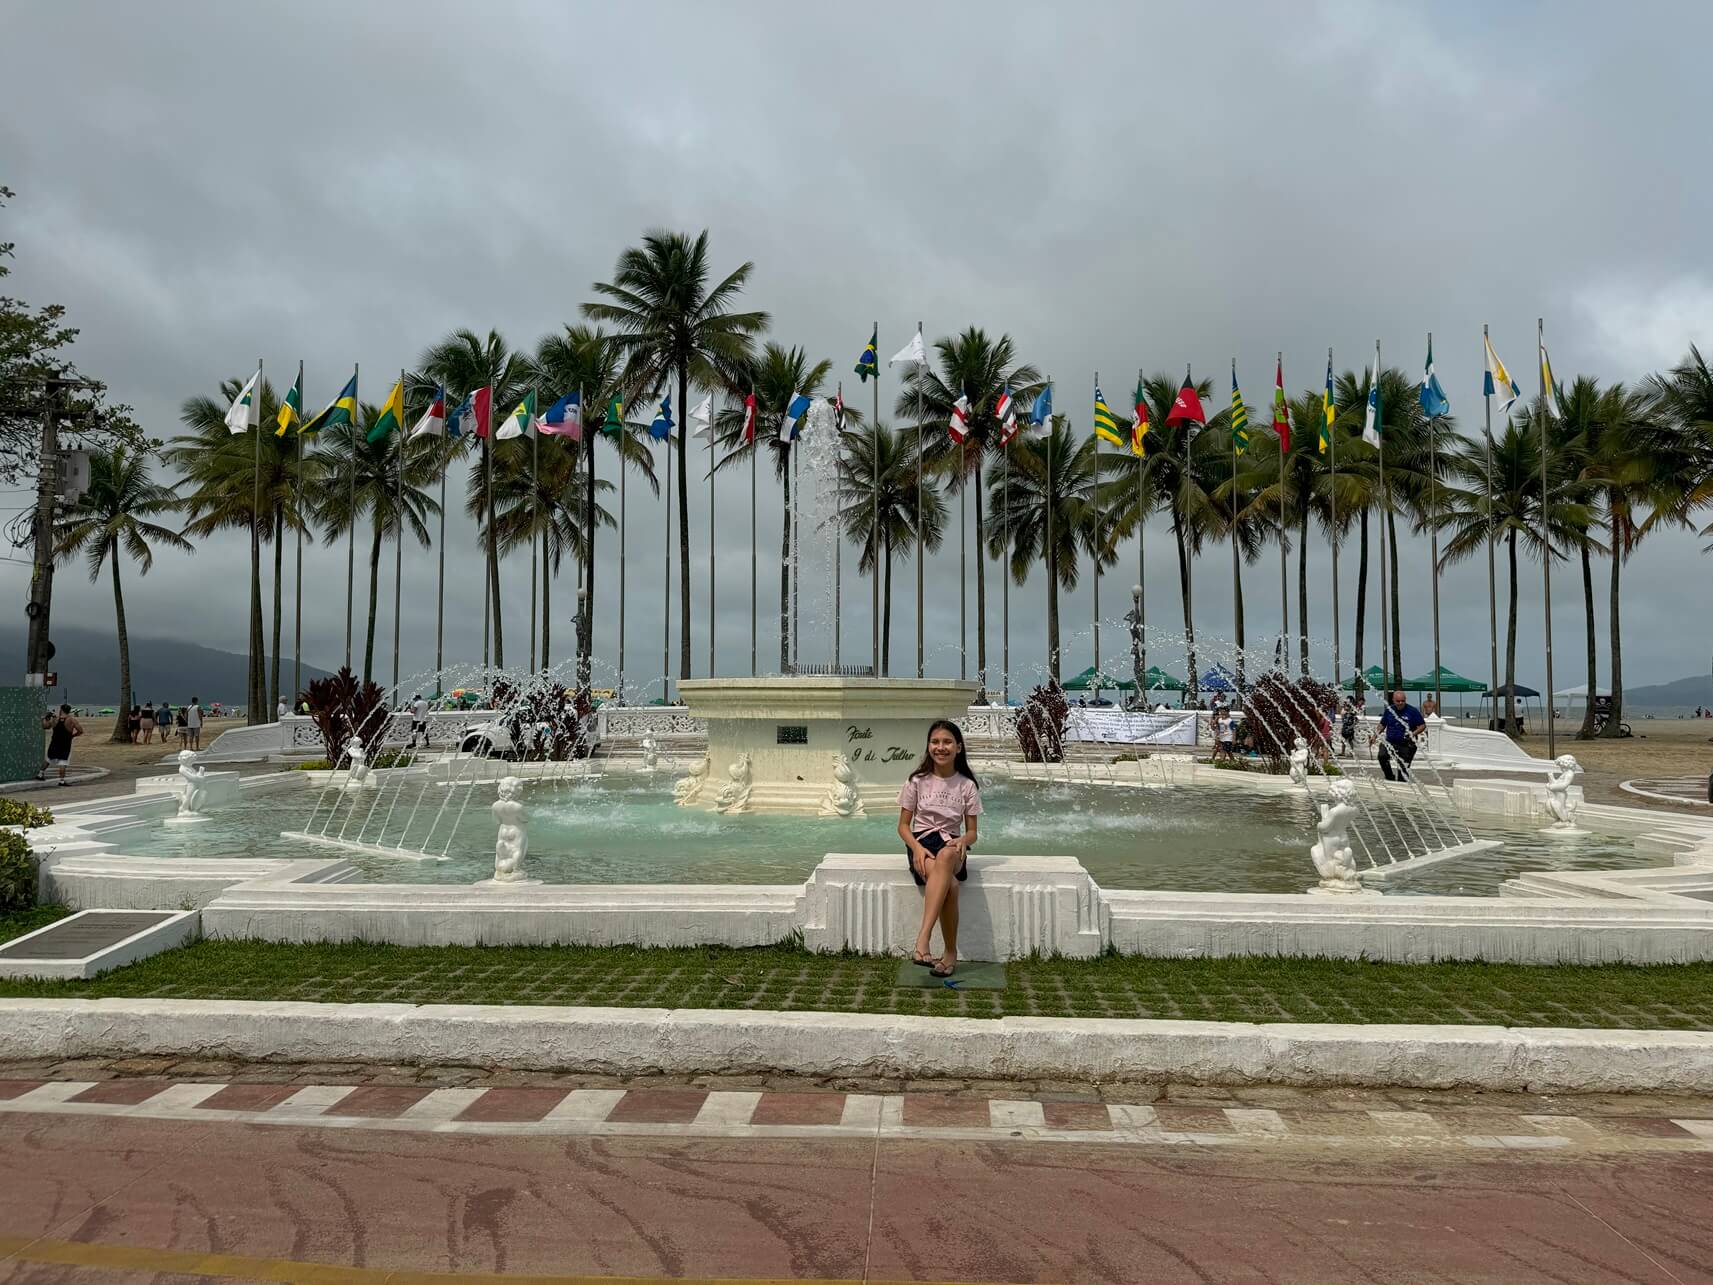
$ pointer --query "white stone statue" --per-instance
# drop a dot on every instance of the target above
(842, 799)
(734, 794)
(1300, 762)
(650, 756)
(193, 790)
(1560, 806)
(511, 846)
(688, 789)
(359, 762)
(1332, 855)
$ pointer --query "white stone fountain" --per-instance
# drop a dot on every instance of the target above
(1561, 805)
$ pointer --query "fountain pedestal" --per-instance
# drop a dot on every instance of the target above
(793, 731)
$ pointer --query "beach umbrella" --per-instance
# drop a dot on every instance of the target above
(1218, 679)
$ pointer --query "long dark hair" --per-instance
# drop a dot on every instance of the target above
(960, 765)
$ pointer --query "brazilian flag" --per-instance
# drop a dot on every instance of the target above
(869, 363)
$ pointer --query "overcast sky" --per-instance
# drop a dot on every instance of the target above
(1114, 185)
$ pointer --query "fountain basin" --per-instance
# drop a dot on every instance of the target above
(793, 731)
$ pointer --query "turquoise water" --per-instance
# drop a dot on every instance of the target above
(1205, 839)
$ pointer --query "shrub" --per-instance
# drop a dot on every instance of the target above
(28, 815)
(1041, 724)
(542, 722)
(17, 872)
(342, 707)
(1278, 709)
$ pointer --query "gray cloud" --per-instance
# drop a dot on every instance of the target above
(1115, 185)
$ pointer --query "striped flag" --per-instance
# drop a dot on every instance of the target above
(1328, 411)
(1239, 416)
(291, 409)
(1105, 426)
(565, 417)
(1139, 426)
(959, 423)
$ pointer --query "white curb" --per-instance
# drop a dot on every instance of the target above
(712, 1041)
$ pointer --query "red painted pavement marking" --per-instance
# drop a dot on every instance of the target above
(658, 1106)
(1076, 1115)
(123, 1093)
(1193, 1119)
(513, 1106)
(380, 1101)
(10, 1089)
(1642, 1127)
(247, 1097)
(939, 1111)
(799, 1108)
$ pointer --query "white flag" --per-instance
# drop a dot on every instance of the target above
(912, 354)
(703, 415)
(246, 411)
(1371, 421)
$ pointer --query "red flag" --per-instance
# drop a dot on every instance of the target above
(1281, 420)
(482, 409)
(1186, 408)
(749, 418)
(958, 425)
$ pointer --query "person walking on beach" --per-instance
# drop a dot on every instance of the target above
(163, 720)
(419, 722)
(937, 814)
(1347, 725)
(1401, 726)
(62, 728)
(148, 723)
(193, 723)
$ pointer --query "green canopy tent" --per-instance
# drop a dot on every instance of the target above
(1160, 681)
(1372, 679)
(1085, 682)
(1444, 680)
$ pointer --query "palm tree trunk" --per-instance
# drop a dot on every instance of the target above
(586, 634)
(785, 577)
(374, 599)
(1586, 731)
(257, 684)
(1392, 589)
(1303, 593)
(1361, 597)
(546, 600)
(1185, 592)
(494, 594)
(1615, 642)
(121, 724)
(279, 562)
(980, 582)
(1052, 612)
(1511, 639)
(886, 618)
(1237, 608)
(683, 528)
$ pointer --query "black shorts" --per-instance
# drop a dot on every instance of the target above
(933, 841)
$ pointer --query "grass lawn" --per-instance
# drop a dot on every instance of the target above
(784, 977)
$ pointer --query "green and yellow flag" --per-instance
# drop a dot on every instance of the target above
(1105, 426)
(341, 410)
(1328, 412)
(1239, 416)
(291, 409)
(391, 416)
(615, 420)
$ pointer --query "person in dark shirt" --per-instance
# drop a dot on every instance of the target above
(1401, 726)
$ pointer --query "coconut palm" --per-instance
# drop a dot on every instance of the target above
(1237, 489)
(111, 518)
(671, 326)
(883, 507)
(584, 359)
(461, 363)
(362, 477)
(1513, 514)
(775, 377)
(1045, 498)
(220, 469)
(979, 369)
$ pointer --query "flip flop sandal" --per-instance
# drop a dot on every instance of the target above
(927, 961)
(943, 972)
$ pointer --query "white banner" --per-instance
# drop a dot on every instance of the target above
(1176, 727)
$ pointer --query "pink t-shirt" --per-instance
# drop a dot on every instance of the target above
(940, 803)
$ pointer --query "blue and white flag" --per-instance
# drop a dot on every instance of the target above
(1434, 402)
(455, 417)
(1371, 421)
(565, 417)
(1498, 382)
(793, 416)
(1042, 411)
(661, 427)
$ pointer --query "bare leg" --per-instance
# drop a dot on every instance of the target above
(934, 896)
(949, 928)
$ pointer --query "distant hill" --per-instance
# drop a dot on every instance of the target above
(1684, 694)
(87, 661)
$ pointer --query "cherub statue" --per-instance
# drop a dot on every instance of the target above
(734, 794)
(650, 756)
(1559, 805)
(193, 793)
(511, 845)
(1332, 855)
(688, 789)
(1299, 760)
(842, 799)
(359, 761)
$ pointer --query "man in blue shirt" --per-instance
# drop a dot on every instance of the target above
(1401, 725)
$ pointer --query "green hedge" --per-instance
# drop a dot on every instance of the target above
(28, 815)
(17, 872)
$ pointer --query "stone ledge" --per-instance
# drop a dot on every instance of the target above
(702, 1041)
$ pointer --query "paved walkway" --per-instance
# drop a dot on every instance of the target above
(377, 1175)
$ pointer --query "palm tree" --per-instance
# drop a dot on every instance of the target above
(877, 472)
(1307, 485)
(1679, 437)
(221, 470)
(775, 377)
(461, 363)
(1045, 497)
(110, 517)
(979, 369)
(1578, 434)
(584, 359)
(1514, 512)
(361, 477)
(1237, 487)
(671, 325)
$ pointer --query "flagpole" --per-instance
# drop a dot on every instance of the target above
(1284, 574)
(1236, 573)
(796, 650)
(666, 586)
(1052, 567)
(444, 446)
(713, 414)
(488, 520)
(754, 628)
(534, 531)
(1386, 675)
(586, 604)
(1097, 563)
(1332, 507)
(1492, 582)
(1433, 538)
(874, 586)
(1546, 543)
(838, 515)
(398, 542)
(1142, 554)
(297, 611)
(623, 530)
(351, 546)
(1005, 581)
(258, 673)
(919, 510)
